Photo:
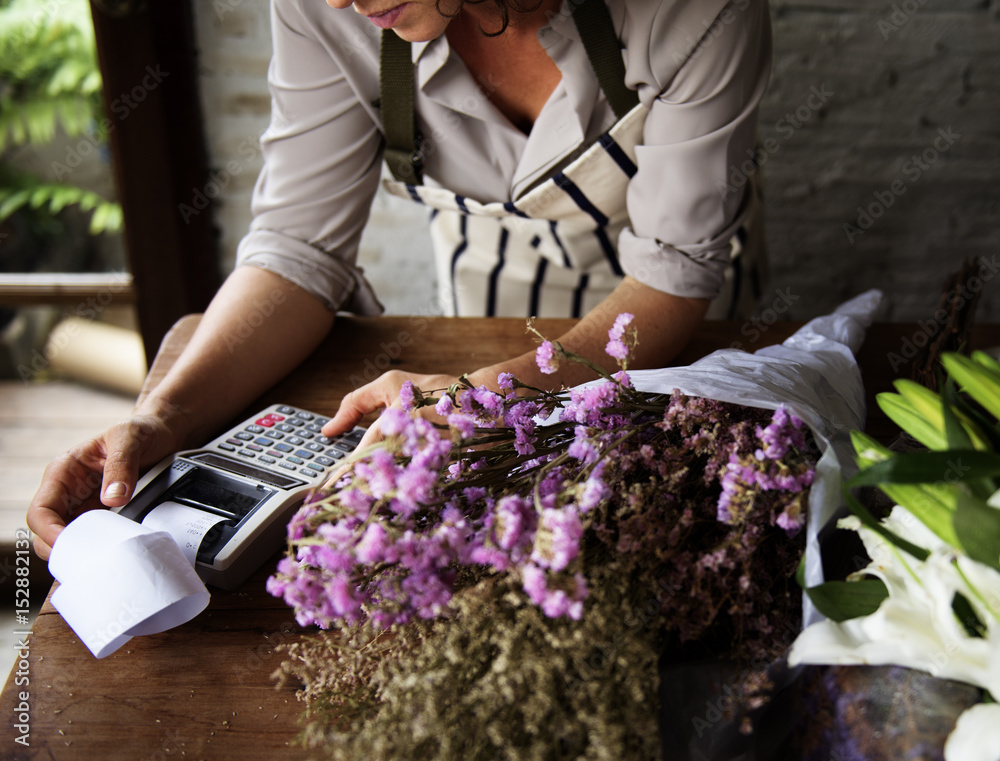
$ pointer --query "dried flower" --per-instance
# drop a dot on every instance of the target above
(595, 506)
(617, 347)
(546, 357)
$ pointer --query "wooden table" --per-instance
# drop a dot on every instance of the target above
(204, 690)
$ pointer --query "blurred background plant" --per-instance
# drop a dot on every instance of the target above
(58, 211)
(50, 82)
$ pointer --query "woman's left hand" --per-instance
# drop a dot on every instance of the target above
(381, 393)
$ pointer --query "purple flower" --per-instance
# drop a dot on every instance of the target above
(594, 492)
(616, 347)
(341, 599)
(557, 541)
(623, 379)
(374, 546)
(524, 441)
(514, 519)
(429, 594)
(533, 581)
(791, 519)
(393, 421)
(521, 414)
(582, 448)
(505, 381)
(445, 405)
(622, 321)
(380, 473)
(415, 487)
(555, 603)
(783, 432)
(587, 405)
(481, 402)
(464, 425)
(407, 397)
(356, 501)
(546, 358)
(491, 556)
(299, 524)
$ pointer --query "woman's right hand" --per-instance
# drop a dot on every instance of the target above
(99, 473)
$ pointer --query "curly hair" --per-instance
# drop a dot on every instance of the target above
(504, 9)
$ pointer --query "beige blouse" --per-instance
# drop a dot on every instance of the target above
(700, 66)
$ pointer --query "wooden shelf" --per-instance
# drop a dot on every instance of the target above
(66, 288)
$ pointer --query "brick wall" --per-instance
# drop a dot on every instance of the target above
(880, 151)
(907, 130)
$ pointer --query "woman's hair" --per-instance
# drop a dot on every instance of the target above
(504, 8)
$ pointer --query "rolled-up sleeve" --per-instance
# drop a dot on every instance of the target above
(322, 160)
(702, 81)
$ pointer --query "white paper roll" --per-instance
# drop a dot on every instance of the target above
(119, 579)
(187, 525)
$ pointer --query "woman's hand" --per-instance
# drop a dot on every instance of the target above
(99, 473)
(381, 393)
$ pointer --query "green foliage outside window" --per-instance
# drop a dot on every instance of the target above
(49, 80)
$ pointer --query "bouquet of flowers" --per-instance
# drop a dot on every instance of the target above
(504, 586)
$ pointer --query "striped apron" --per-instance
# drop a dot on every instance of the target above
(552, 251)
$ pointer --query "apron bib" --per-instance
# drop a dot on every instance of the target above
(553, 251)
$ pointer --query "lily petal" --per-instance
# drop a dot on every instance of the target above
(976, 736)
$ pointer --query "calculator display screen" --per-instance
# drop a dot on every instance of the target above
(234, 466)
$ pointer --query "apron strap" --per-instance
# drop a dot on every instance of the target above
(396, 97)
(597, 31)
(593, 22)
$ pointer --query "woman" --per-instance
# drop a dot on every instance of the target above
(551, 192)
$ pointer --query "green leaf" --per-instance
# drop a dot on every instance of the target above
(843, 600)
(949, 466)
(975, 419)
(97, 219)
(40, 196)
(116, 218)
(890, 536)
(107, 217)
(986, 360)
(967, 616)
(977, 526)
(902, 412)
(931, 504)
(13, 202)
(981, 383)
(955, 434)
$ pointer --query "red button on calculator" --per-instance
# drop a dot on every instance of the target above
(269, 420)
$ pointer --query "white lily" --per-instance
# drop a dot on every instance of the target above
(976, 736)
(915, 626)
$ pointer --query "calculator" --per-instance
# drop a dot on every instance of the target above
(228, 504)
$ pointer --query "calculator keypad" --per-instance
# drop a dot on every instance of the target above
(288, 438)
